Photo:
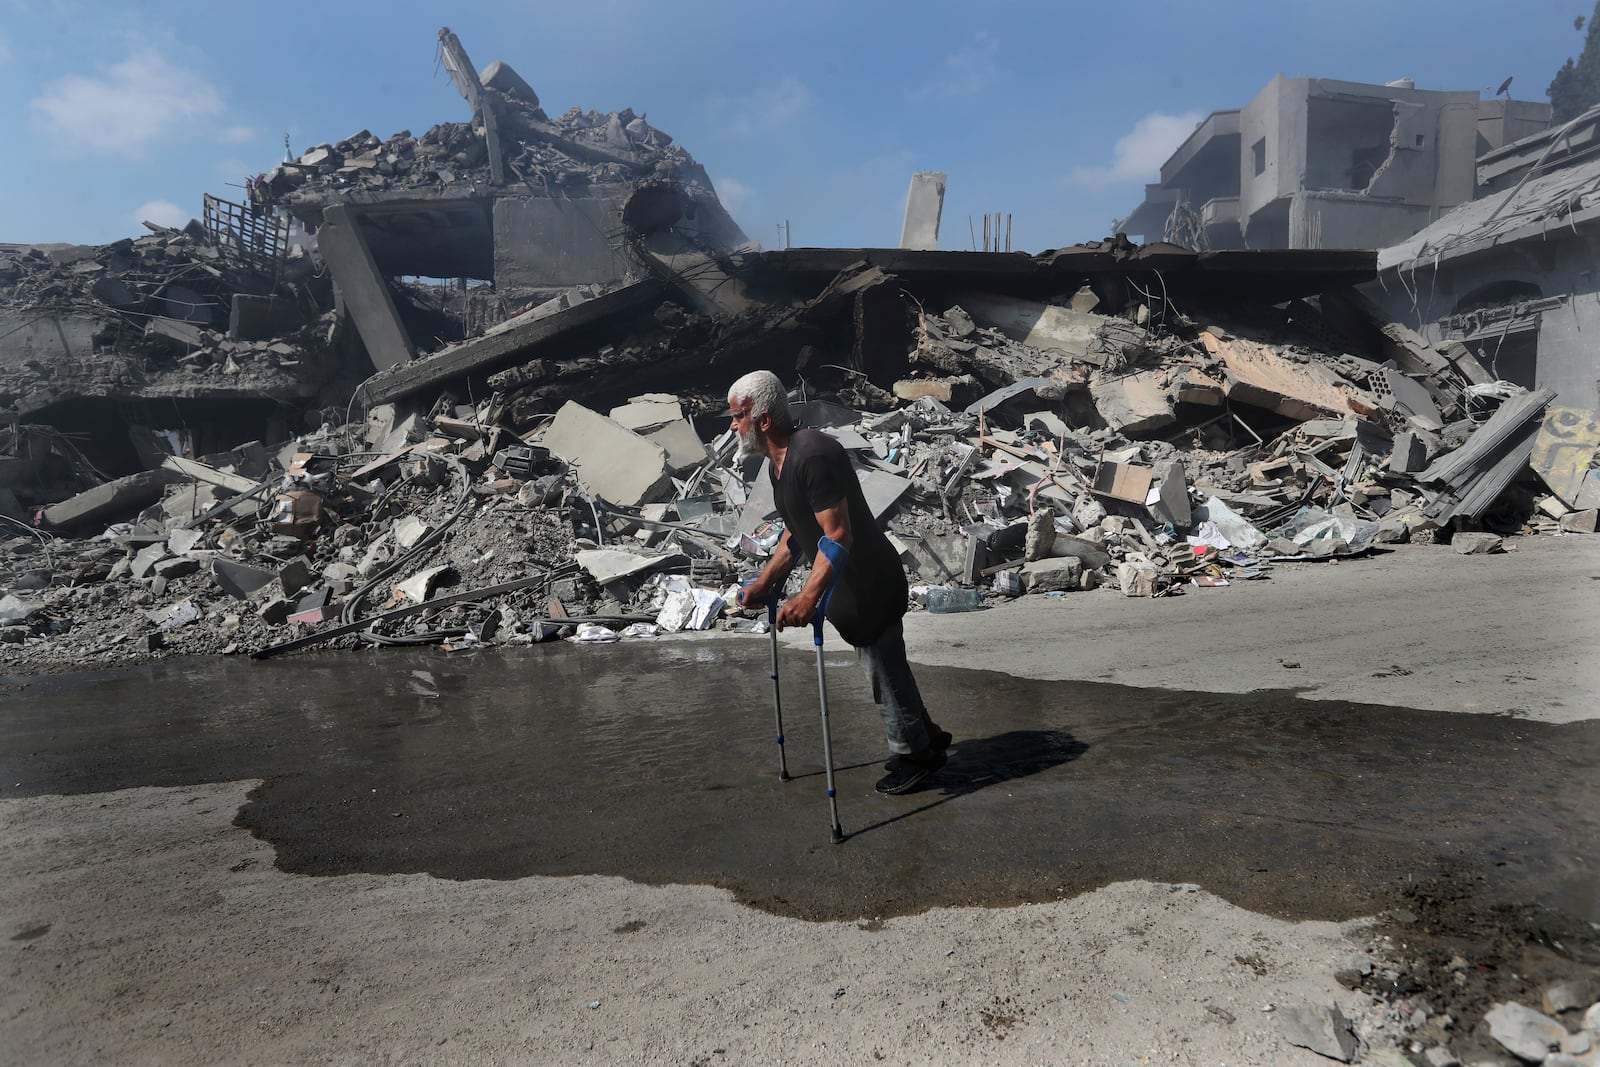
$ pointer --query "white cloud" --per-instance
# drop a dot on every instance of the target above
(1138, 155)
(138, 101)
(237, 134)
(768, 108)
(966, 69)
(734, 194)
(163, 213)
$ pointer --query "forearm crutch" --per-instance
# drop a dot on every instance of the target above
(838, 558)
(777, 701)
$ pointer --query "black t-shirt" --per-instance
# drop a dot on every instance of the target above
(872, 593)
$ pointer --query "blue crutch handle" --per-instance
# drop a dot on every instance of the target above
(838, 559)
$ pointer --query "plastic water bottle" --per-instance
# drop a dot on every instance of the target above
(942, 600)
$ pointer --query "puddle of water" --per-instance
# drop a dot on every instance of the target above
(656, 762)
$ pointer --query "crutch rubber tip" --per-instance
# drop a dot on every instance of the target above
(838, 835)
(783, 776)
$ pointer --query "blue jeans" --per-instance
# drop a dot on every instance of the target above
(905, 718)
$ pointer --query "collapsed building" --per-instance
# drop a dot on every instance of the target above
(1142, 420)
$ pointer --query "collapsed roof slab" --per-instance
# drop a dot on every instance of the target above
(1262, 276)
(495, 351)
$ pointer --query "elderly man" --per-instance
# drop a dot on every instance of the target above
(818, 495)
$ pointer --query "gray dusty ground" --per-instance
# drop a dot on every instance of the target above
(144, 925)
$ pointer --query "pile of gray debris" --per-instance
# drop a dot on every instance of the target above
(1140, 453)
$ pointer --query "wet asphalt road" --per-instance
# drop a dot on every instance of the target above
(656, 762)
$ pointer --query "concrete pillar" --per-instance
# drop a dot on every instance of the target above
(924, 205)
(365, 290)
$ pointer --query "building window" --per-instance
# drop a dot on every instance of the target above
(1258, 155)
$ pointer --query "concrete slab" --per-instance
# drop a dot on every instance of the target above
(924, 207)
(120, 496)
(240, 580)
(643, 414)
(882, 490)
(685, 451)
(1134, 403)
(613, 461)
(1045, 326)
(1258, 376)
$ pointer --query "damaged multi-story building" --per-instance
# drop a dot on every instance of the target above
(1319, 163)
(1512, 274)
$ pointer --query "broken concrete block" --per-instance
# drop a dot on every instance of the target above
(1258, 376)
(1172, 500)
(685, 451)
(1476, 543)
(1076, 334)
(185, 335)
(1580, 521)
(499, 75)
(1410, 454)
(13, 609)
(1133, 403)
(645, 413)
(1059, 574)
(294, 576)
(122, 496)
(940, 389)
(1041, 537)
(176, 567)
(239, 580)
(114, 291)
(1523, 1032)
(1321, 1028)
(275, 612)
(611, 460)
(174, 615)
(146, 559)
(1138, 577)
(181, 541)
(408, 531)
(419, 586)
(1094, 555)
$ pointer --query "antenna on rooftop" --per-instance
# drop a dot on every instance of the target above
(288, 157)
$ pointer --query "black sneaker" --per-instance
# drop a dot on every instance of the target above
(907, 773)
(942, 739)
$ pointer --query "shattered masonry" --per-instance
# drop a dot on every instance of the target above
(541, 457)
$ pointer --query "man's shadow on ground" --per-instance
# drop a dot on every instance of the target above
(982, 762)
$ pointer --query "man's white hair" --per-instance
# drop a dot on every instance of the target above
(767, 395)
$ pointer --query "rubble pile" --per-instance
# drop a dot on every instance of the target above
(511, 139)
(1010, 448)
(577, 149)
(158, 304)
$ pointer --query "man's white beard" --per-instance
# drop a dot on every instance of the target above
(748, 445)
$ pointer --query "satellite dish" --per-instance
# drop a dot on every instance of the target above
(1503, 87)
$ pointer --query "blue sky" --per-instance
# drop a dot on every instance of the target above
(1055, 112)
